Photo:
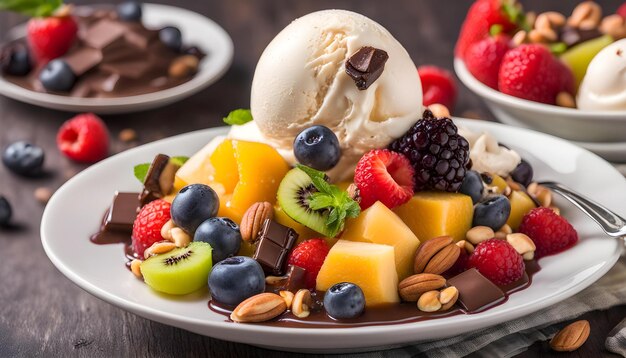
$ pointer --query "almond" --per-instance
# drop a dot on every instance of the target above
(412, 287)
(253, 219)
(443, 260)
(260, 308)
(427, 250)
(571, 337)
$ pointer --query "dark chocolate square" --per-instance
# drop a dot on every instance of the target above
(475, 290)
(122, 213)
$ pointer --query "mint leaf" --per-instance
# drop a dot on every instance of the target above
(141, 170)
(180, 161)
(237, 117)
(32, 8)
(329, 197)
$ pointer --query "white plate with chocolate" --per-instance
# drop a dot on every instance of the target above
(70, 219)
(125, 66)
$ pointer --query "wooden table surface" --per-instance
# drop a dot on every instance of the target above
(44, 314)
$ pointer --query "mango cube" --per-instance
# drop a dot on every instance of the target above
(434, 214)
(198, 169)
(370, 266)
(379, 225)
(521, 204)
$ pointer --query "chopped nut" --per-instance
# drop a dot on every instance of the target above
(288, 297)
(302, 301)
(615, 26)
(500, 235)
(254, 218)
(412, 287)
(135, 268)
(586, 16)
(571, 337)
(275, 280)
(506, 229)
(521, 37)
(184, 66)
(564, 99)
(260, 308)
(354, 192)
(478, 234)
(522, 244)
(465, 245)
(159, 248)
(448, 297)
(439, 110)
(180, 237)
(43, 195)
(127, 135)
(429, 302)
(556, 209)
(427, 259)
(166, 230)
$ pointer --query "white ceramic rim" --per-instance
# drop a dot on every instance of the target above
(504, 99)
(511, 312)
(211, 69)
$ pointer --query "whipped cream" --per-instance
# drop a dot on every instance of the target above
(487, 155)
(604, 85)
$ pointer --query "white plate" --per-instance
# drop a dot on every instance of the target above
(196, 29)
(74, 213)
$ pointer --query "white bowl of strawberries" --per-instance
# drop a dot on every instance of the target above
(529, 75)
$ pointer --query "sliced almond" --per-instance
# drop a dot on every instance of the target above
(412, 287)
(571, 337)
(260, 308)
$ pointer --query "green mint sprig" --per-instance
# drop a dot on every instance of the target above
(32, 8)
(141, 170)
(237, 117)
(329, 197)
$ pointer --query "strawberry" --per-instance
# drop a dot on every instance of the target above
(385, 176)
(621, 11)
(84, 138)
(51, 37)
(498, 261)
(550, 232)
(482, 16)
(438, 86)
(484, 57)
(148, 224)
(310, 256)
(531, 72)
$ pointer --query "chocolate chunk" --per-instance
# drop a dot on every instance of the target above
(295, 279)
(366, 65)
(104, 33)
(83, 60)
(475, 290)
(572, 36)
(159, 180)
(122, 213)
(274, 243)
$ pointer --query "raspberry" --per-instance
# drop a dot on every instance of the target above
(439, 155)
(498, 261)
(550, 232)
(621, 11)
(531, 72)
(483, 59)
(84, 138)
(310, 256)
(385, 176)
(438, 86)
(148, 224)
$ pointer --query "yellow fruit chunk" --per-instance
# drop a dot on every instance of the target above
(370, 266)
(248, 172)
(521, 204)
(499, 183)
(434, 214)
(198, 169)
(379, 225)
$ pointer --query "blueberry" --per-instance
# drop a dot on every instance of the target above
(57, 76)
(222, 234)
(5, 211)
(15, 60)
(24, 158)
(193, 205)
(344, 300)
(129, 11)
(317, 147)
(523, 173)
(493, 212)
(473, 186)
(171, 37)
(236, 279)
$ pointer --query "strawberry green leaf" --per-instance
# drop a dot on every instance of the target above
(32, 8)
(141, 170)
(237, 117)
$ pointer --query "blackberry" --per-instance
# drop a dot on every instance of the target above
(439, 155)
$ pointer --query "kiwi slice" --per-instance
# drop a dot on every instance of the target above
(180, 271)
(293, 197)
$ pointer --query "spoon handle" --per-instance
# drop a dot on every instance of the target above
(611, 223)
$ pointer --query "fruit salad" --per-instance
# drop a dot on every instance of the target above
(566, 60)
(326, 222)
(95, 52)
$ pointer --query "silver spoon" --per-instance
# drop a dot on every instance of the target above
(611, 223)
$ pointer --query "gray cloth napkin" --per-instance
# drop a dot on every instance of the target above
(511, 338)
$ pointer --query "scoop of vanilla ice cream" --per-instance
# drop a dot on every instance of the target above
(487, 155)
(300, 81)
(604, 84)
